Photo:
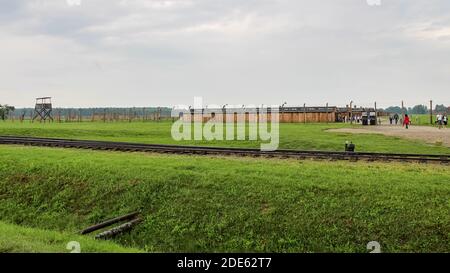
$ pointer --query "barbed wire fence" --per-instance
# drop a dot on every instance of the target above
(60, 115)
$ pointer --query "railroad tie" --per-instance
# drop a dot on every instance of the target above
(199, 150)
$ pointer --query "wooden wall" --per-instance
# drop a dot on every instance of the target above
(283, 117)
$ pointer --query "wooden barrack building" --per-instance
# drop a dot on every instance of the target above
(318, 114)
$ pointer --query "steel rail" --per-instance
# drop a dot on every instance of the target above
(202, 150)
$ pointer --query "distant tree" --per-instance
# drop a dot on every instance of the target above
(440, 108)
(5, 110)
(419, 109)
(394, 109)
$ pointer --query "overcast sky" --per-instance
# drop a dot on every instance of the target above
(165, 52)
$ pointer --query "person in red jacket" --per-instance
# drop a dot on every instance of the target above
(406, 121)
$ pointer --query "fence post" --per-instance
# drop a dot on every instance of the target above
(431, 112)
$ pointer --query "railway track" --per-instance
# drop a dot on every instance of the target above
(221, 151)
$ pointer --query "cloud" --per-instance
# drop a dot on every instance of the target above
(233, 51)
(429, 31)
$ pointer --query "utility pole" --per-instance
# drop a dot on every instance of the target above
(376, 114)
(403, 110)
(351, 112)
(304, 113)
(431, 112)
(328, 116)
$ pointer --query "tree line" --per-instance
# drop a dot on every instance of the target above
(10, 112)
(417, 109)
(5, 111)
(88, 112)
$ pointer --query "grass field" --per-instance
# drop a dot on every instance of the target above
(292, 136)
(422, 119)
(417, 119)
(17, 239)
(204, 204)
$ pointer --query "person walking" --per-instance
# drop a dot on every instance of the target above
(445, 120)
(396, 118)
(406, 121)
(439, 120)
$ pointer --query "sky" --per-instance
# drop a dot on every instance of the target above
(93, 53)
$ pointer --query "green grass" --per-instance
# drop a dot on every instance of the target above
(416, 119)
(292, 136)
(17, 239)
(422, 119)
(204, 204)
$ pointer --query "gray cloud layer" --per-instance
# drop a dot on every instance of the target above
(165, 52)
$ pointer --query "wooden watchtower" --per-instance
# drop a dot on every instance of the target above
(43, 109)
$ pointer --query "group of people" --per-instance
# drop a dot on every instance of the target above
(405, 121)
(393, 119)
(441, 120)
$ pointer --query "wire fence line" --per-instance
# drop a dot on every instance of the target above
(130, 114)
(97, 114)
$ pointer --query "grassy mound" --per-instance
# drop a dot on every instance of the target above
(205, 204)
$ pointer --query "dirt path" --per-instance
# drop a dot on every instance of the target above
(428, 134)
